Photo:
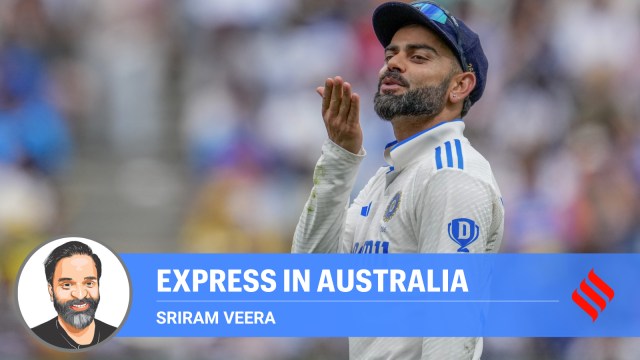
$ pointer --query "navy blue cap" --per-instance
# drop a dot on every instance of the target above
(390, 17)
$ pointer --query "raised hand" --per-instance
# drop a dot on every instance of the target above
(341, 114)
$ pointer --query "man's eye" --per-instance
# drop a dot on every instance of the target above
(387, 58)
(419, 57)
(91, 283)
(66, 285)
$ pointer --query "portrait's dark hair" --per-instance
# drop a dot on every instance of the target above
(67, 250)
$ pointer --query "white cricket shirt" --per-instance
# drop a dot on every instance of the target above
(437, 196)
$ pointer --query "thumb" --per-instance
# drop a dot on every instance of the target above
(320, 91)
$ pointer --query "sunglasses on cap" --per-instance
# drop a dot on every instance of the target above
(436, 13)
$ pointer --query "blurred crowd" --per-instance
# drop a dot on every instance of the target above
(194, 126)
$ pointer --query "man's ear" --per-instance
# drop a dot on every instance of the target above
(50, 292)
(462, 85)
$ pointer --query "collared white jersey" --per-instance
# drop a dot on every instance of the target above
(437, 196)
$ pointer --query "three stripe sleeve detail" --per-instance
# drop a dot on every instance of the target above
(449, 155)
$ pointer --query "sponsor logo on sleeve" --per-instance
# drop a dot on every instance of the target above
(463, 232)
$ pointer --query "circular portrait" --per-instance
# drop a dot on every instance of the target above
(73, 293)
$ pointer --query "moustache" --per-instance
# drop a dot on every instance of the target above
(77, 319)
(65, 308)
(395, 76)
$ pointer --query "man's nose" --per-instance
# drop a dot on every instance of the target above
(395, 63)
(79, 292)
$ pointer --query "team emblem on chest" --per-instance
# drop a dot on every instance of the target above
(392, 207)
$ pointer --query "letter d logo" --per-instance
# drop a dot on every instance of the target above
(464, 232)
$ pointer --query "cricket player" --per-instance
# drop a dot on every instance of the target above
(438, 194)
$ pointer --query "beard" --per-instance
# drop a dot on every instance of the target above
(427, 101)
(77, 319)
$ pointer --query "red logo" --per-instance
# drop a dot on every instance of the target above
(593, 295)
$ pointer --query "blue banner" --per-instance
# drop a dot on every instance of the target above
(528, 295)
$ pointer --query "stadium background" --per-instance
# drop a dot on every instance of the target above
(193, 126)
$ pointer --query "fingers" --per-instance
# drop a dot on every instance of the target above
(345, 101)
(341, 113)
(338, 101)
(354, 110)
(336, 96)
(326, 95)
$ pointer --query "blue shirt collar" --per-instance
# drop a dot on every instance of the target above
(399, 154)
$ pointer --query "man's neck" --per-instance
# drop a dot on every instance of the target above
(80, 336)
